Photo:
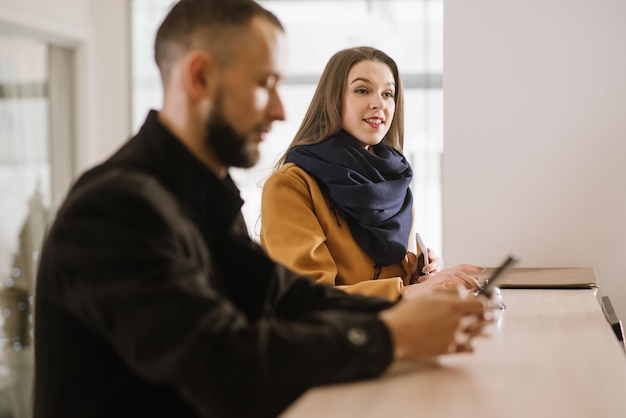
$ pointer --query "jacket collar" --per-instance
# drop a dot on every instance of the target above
(207, 199)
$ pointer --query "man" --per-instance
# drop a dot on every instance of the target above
(152, 301)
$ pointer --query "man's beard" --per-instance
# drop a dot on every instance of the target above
(230, 148)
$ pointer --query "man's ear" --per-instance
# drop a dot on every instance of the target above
(199, 75)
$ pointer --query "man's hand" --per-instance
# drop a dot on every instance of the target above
(438, 322)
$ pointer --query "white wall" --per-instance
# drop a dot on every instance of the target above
(535, 135)
(61, 20)
(99, 33)
(111, 79)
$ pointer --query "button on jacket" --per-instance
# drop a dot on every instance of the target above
(152, 301)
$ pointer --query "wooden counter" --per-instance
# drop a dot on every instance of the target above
(551, 354)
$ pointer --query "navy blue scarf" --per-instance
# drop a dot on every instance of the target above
(371, 191)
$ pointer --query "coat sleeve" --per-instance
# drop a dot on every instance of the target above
(389, 288)
(292, 234)
(136, 275)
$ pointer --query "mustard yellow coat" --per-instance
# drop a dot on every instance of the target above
(299, 230)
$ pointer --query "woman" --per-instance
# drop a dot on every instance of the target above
(339, 206)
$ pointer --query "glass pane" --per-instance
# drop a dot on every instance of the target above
(25, 191)
(402, 28)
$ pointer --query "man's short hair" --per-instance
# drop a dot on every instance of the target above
(209, 24)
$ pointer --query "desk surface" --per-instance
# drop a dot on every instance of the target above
(552, 354)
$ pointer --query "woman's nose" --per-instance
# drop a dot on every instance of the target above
(377, 103)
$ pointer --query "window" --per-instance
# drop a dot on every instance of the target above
(410, 31)
(25, 189)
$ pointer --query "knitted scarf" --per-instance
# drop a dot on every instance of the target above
(371, 191)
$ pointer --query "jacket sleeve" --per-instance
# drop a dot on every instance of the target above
(389, 288)
(292, 235)
(135, 275)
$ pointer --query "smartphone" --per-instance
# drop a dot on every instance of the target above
(497, 275)
(422, 254)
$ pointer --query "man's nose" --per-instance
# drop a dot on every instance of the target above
(276, 110)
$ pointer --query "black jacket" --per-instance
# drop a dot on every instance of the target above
(153, 301)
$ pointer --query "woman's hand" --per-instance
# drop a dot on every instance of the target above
(447, 278)
(434, 263)
(433, 266)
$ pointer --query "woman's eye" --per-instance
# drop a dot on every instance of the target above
(361, 91)
(389, 94)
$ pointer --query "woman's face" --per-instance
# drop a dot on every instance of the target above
(368, 102)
